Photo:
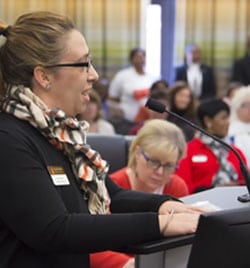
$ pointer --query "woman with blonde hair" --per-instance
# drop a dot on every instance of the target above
(153, 157)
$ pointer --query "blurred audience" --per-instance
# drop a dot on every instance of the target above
(199, 76)
(144, 113)
(208, 163)
(147, 114)
(183, 103)
(130, 86)
(159, 84)
(239, 129)
(110, 109)
(93, 115)
(241, 67)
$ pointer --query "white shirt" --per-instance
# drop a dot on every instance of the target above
(194, 78)
(132, 89)
(103, 127)
(239, 133)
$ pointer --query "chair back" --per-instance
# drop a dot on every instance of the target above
(113, 148)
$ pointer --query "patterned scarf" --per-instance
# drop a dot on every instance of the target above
(66, 134)
(226, 172)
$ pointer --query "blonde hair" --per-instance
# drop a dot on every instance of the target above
(36, 38)
(239, 98)
(159, 136)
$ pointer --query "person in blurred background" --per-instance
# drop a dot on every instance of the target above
(159, 85)
(147, 114)
(130, 86)
(208, 163)
(199, 76)
(239, 128)
(110, 109)
(93, 115)
(241, 67)
(183, 103)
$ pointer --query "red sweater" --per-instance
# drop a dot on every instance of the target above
(200, 165)
(177, 186)
(108, 259)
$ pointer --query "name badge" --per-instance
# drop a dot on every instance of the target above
(199, 158)
(58, 175)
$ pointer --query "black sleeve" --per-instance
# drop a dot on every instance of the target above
(177, 76)
(33, 212)
(213, 87)
(133, 201)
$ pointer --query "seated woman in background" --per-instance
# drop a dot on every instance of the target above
(110, 109)
(207, 162)
(93, 115)
(183, 103)
(153, 156)
(158, 86)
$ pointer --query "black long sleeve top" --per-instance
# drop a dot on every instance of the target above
(48, 225)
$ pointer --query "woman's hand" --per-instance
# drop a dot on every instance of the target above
(130, 263)
(178, 224)
(178, 207)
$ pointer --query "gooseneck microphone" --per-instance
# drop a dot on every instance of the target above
(157, 106)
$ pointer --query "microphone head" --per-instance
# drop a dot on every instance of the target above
(155, 105)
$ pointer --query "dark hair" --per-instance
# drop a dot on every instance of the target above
(136, 50)
(211, 108)
(159, 94)
(159, 84)
(177, 87)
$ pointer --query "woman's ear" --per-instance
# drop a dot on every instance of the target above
(208, 122)
(42, 77)
(137, 151)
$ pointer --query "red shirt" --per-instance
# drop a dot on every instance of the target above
(177, 186)
(200, 165)
(142, 115)
(108, 259)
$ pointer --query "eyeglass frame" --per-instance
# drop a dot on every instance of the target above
(156, 164)
(86, 64)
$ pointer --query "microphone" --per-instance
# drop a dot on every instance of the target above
(157, 106)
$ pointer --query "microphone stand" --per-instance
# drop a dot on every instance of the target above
(159, 107)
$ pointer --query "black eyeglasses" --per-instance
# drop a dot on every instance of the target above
(86, 64)
(155, 164)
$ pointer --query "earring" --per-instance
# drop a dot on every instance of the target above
(48, 87)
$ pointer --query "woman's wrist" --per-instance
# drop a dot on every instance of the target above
(168, 219)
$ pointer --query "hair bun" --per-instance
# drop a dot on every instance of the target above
(5, 32)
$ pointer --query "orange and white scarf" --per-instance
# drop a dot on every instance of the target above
(66, 134)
